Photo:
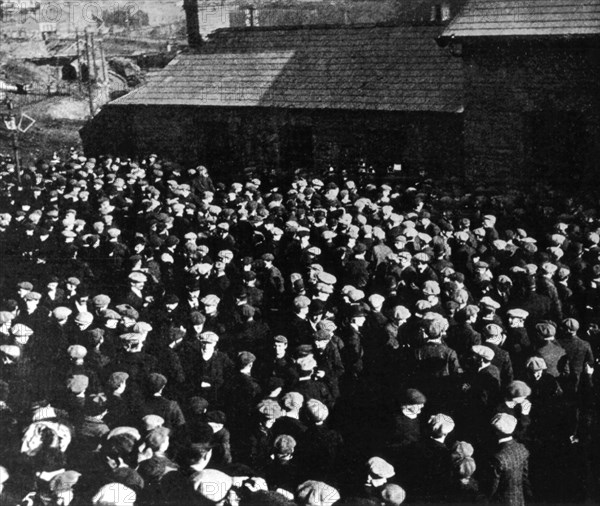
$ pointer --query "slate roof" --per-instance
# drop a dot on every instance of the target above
(381, 68)
(503, 18)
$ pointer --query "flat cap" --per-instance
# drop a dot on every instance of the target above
(504, 423)
(284, 444)
(412, 396)
(101, 300)
(158, 435)
(518, 389)
(517, 313)
(142, 328)
(489, 302)
(536, 364)
(110, 314)
(269, 408)
(61, 312)
(244, 358)
(137, 277)
(76, 351)
(328, 279)
(422, 257)
(64, 481)
(84, 318)
(301, 302)
(10, 350)
(392, 494)
(156, 381)
(25, 285)
(380, 468)
(116, 379)
(20, 330)
(210, 300)
(292, 400)
(209, 337)
(441, 422)
(316, 493)
(33, 296)
(546, 330)
(78, 383)
(492, 330)
(431, 288)
(316, 410)
(571, 324)
(484, 352)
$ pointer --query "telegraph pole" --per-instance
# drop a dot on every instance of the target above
(89, 64)
(15, 139)
(79, 76)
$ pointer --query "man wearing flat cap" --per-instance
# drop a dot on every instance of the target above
(208, 370)
(155, 404)
(135, 296)
(33, 316)
(507, 471)
(518, 344)
(548, 348)
(579, 352)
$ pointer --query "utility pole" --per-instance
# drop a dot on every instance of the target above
(94, 61)
(103, 61)
(79, 77)
(89, 64)
(15, 139)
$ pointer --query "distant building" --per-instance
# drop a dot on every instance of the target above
(301, 97)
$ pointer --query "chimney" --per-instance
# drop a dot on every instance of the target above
(192, 23)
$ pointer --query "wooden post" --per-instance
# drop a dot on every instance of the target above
(15, 140)
(103, 61)
(79, 77)
(94, 62)
(89, 64)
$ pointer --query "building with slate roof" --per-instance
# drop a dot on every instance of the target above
(298, 97)
(508, 88)
(532, 87)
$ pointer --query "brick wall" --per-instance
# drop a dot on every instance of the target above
(517, 90)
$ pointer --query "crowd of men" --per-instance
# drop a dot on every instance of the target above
(167, 339)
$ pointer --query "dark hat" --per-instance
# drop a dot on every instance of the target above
(360, 248)
(357, 311)
(116, 379)
(412, 396)
(197, 318)
(171, 298)
(155, 382)
(518, 389)
(197, 405)
(95, 405)
(244, 358)
(303, 350)
(546, 329)
(128, 477)
(247, 311)
(216, 417)
(157, 437)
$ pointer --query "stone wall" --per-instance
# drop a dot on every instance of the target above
(232, 139)
(531, 108)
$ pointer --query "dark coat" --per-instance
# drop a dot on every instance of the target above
(507, 475)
